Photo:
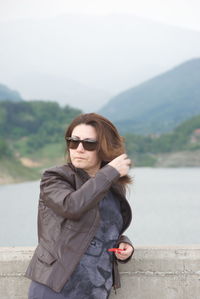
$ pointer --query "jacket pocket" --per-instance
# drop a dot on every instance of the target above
(44, 255)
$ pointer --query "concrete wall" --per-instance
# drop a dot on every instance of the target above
(153, 273)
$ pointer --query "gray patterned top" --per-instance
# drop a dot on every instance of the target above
(92, 279)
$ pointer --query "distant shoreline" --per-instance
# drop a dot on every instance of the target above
(13, 173)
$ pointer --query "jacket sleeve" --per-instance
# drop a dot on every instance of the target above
(125, 239)
(58, 193)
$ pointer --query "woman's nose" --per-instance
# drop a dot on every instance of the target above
(80, 147)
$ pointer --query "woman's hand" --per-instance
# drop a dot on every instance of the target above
(126, 252)
(122, 164)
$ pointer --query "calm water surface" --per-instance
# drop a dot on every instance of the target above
(165, 203)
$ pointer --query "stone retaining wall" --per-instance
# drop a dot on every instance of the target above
(154, 273)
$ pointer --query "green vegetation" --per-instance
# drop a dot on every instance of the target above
(145, 148)
(12, 171)
(29, 126)
(32, 140)
(158, 105)
(32, 137)
(5, 152)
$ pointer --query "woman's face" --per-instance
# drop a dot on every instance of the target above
(81, 158)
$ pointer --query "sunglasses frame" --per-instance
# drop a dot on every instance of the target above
(88, 144)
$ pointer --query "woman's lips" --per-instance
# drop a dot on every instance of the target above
(79, 158)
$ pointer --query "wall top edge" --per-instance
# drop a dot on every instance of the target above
(142, 247)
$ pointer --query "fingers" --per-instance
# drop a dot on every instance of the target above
(126, 251)
(125, 158)
(122, 164)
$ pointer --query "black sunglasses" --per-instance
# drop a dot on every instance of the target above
(88, 144)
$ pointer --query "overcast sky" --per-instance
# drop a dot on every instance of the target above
(184, 13)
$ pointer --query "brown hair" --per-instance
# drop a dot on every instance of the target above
(110, 143)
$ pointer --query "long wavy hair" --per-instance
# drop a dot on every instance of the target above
(110, 143)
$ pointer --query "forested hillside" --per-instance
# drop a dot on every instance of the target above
(185, 137)
(32, 138)
(160, 104)
(34, 123)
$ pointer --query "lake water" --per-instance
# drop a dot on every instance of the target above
(165, 203)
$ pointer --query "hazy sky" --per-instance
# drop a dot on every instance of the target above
(185, 13)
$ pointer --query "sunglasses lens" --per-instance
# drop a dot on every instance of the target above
(73, 144)
(89, 145)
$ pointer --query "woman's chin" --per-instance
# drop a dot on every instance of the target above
(79, 164)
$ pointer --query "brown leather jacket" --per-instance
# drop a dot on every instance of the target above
(68, 217)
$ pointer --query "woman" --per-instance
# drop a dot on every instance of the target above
(82, 214)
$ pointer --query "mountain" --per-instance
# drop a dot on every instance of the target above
(62, 89)
(9, 94)
(160, 104)
(36, 121)
(31, 140)
(108, 53)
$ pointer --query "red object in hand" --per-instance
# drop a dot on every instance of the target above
(118, 250)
